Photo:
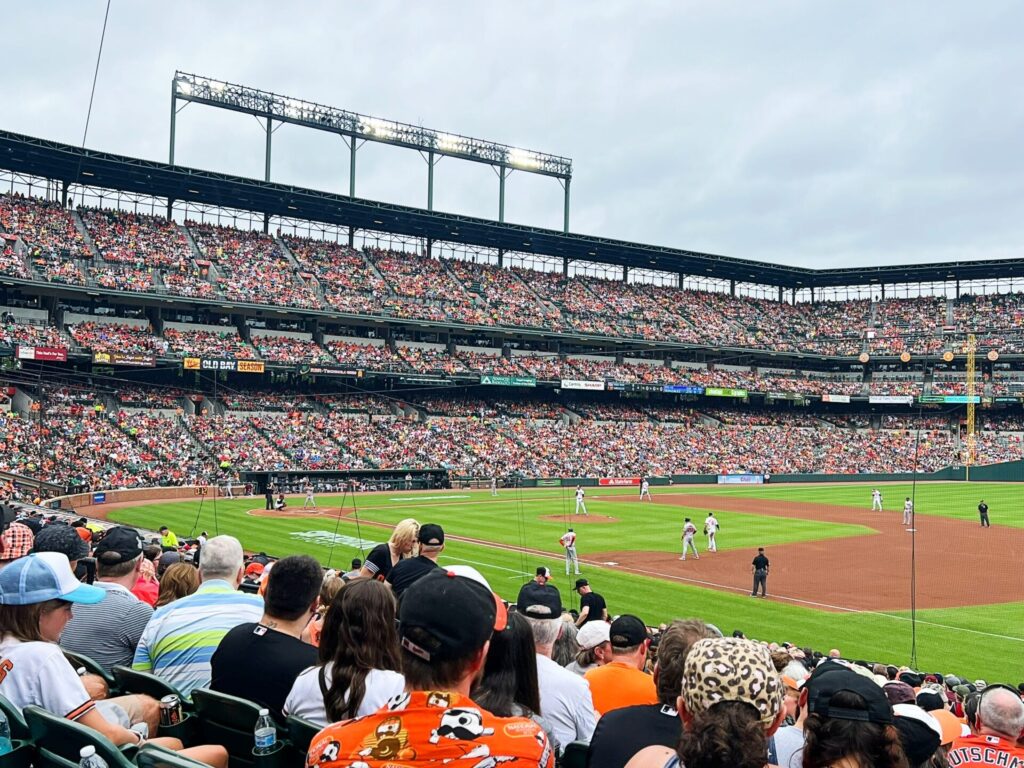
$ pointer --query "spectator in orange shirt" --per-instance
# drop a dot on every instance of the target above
(622, 682)
(998, 726)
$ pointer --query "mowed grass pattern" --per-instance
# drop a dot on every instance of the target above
(986, 641)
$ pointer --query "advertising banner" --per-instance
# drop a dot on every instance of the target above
(618, 481)
(47, 354)
(508, 381)
(210, 364)
(99, 498)
(116, 358)
(785, 396)
(948, 398)
(740, 479)
(683, 389)
(835, 398)
(594, 386)
(331, 370)
(891, 399)
(724, 392)
(634, 386)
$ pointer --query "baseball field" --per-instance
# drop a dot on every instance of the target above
(841, 575)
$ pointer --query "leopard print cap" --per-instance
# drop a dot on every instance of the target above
(731, 669)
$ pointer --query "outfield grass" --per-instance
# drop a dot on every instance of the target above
(985, 641)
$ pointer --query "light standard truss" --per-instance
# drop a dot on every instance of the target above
(355, 129)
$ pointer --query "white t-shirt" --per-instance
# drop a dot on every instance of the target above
(37, 673)
(789, 747)
(566, 702)
(306, 701)
(644, 487)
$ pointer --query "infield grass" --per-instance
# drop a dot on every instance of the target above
(979, 641)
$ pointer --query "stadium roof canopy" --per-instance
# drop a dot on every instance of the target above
(75, 165)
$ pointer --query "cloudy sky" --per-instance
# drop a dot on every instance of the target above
(812, 133)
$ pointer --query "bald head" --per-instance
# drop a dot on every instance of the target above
(1001, 713)
(834, 653)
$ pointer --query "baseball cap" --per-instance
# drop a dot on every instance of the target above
(731, 669)
(542, 571)
(254, 569)
(42, 576)
(930, 700)
(432, 535)
(61, 538)
(920, 733)
(951, 727)
(592, 634)
(16, 542)
(119, 545)
(445, 615)
(539, 601)
(627, 631)
(898, 692)
(823, 687)
(581, 583)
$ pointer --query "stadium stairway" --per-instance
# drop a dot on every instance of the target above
(86, 236)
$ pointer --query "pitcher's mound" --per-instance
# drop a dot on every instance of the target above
(580, 519)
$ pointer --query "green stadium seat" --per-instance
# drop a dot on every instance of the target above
(19, 728)
(230, 721)
(58, 742)
(153, 756)
(301, 732)
(575, 755)
(80, 660)
(130, 680)
(23, 754)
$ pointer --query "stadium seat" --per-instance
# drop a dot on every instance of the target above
(301, 732)
(80, 660)
(230, 721)
(59, 741)
(575, 755)
(19, 728)
(133, 681)
(152, 756)
(23, 754)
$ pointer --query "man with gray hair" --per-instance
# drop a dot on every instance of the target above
(565, 697)
(180, 639)
(998, 725)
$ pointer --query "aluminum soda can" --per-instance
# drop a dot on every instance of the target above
(170, 710)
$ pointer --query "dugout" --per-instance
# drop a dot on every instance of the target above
(336, 481)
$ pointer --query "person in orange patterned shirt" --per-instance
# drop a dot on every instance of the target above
(446, 620)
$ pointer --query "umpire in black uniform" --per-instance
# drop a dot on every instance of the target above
(983, 511)
(268, 494)
(759, 565)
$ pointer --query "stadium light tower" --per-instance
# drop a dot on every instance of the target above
(356, 129)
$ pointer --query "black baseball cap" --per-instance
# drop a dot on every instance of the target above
(431, 534)
(61, 538)
(627, 631)
(542, 571)
(581, 583)
(446, 615)
(539, 601)
(829, 679)
(119, 545)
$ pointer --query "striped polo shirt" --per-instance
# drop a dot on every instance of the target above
(180, 639)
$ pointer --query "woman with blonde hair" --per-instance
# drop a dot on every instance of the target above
(383, 557)
(178, 581)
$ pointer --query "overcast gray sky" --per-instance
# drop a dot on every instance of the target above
(813, 133)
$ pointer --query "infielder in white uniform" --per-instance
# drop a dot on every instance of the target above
(310, 501)
(568, 541)
(494, 486)
(908, 512)
(645, 490)
(876, 500)
(711, 526)
(689, 531)
(579, 500)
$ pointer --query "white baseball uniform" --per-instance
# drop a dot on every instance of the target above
(908, 512)
(645, 490)
(689, 531)
(568, 541)
(711, 528)
(876, 500)
(579, 501)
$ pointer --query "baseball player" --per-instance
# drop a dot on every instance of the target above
(711, 526)
(983, 513)
(876, 500)
(494, 486)
(568, 541)
(689, 531)
(310, 501)
(579, 500)
(645, 490)
(908, 512)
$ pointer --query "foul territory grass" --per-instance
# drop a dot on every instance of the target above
(980, 641)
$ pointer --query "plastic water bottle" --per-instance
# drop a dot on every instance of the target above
(5, 735)
(265, 734)
(90, 759)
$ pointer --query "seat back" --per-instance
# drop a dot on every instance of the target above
(228, 721)
(575, 755)
(81, 660)
(132, 681)
(301, 732)
(153, 756)
(19, 728)
(59, 741)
